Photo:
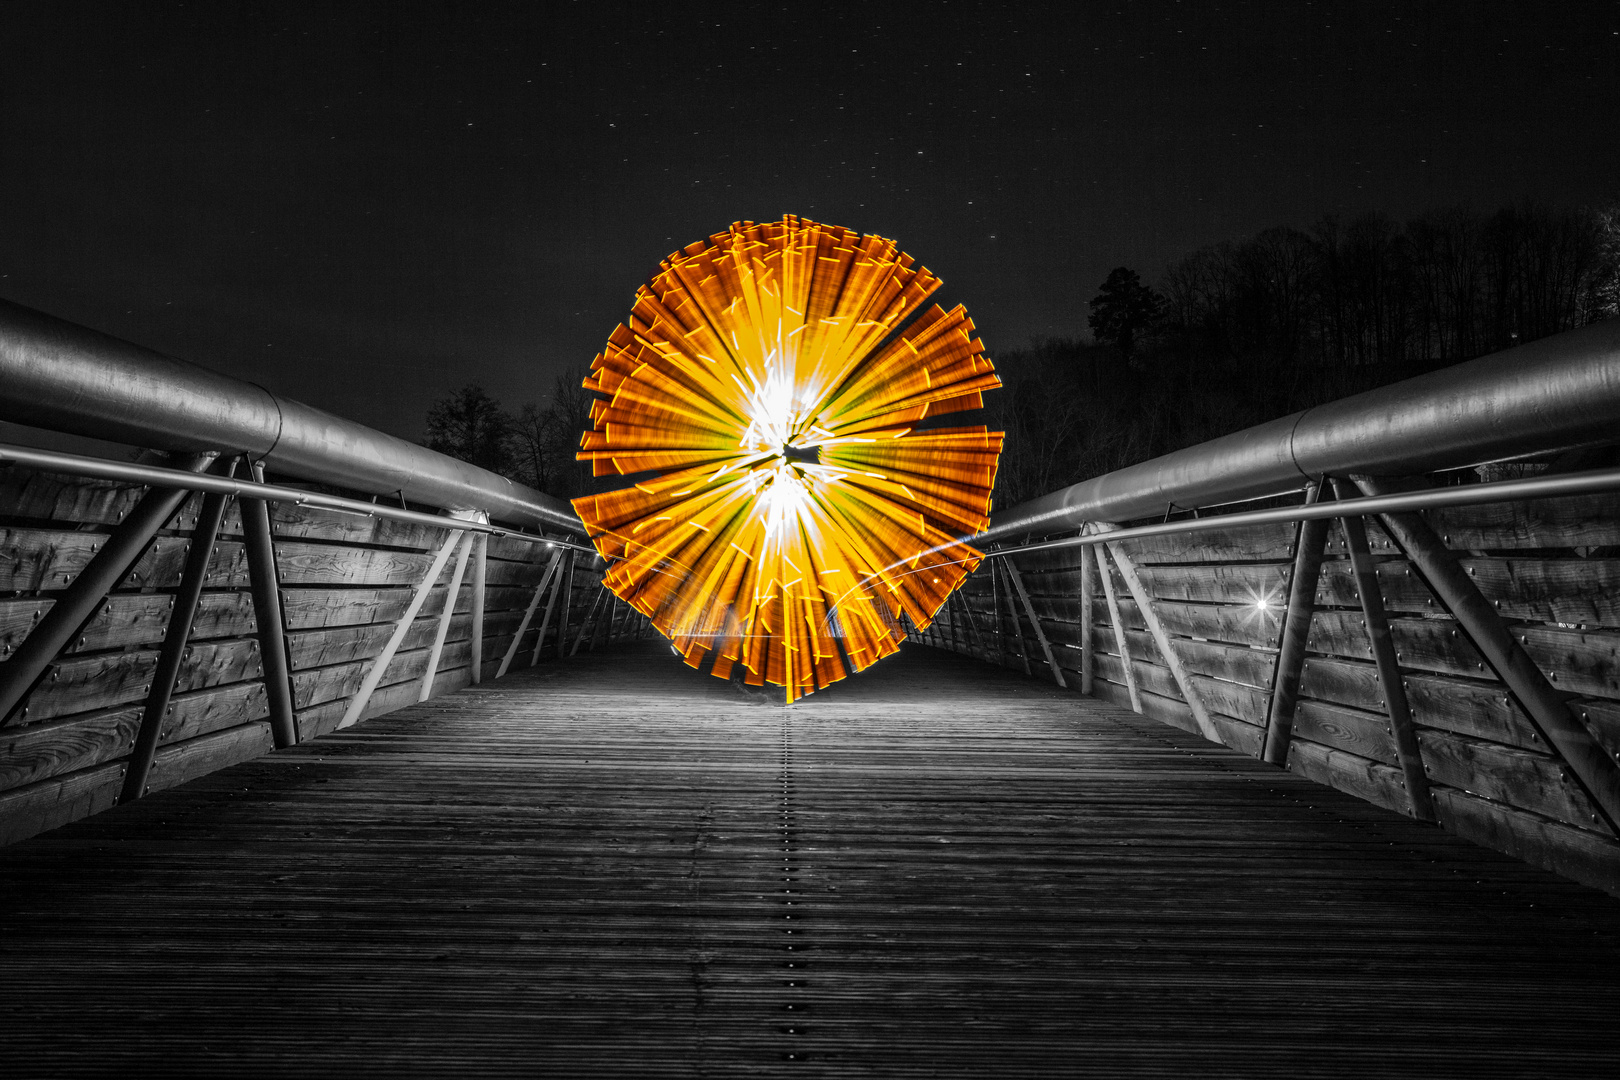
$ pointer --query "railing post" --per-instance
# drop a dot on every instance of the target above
(264, 583)
(181, 618)
(449, 612)
(1119, 629)
(1308, 547)
(586, 623)
(551, 602)
(122, 549)
(539, 591)
(1172, 659)
(480, 547)
(1040, 634)
(1088, 659)
(567, 602)
(1407, 750)
(1018, 626)
(374, 674)
(1545, 706)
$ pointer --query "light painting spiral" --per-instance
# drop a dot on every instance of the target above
(768, 415)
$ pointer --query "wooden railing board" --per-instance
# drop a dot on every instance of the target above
(1342, 682)
(199, 712)
(312, 686)
(55, 497)
(1575, 661)
(1522, 778)
(40, 751)
(1584, 856)
(1246, 703)
(1400, 587)
(1233, 583)
(1365, 734)
(1581, 521)
(179, 762)
(1484, 710)
(1362, 777)
(1149, 677)
(1250, 543)
(303, 563)
(26, 811)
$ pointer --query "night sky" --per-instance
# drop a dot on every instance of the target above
(366, 208)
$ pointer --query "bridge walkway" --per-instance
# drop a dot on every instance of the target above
(617, 866)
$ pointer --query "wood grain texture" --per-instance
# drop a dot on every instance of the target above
(588, 869)
(1582, 521)
(56, 497)
(1526, 779)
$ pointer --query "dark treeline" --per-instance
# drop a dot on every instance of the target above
(1245, 331)
(533, 446)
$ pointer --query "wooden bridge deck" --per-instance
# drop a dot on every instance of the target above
(937, 869)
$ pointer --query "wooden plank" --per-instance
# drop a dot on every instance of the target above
(328, 564)
(86, 684)
(1401, 588)
(325, 717)
(1425, 644)
(179, 762)
(1581, 592)
(28, 811)
(290, 521)
(125, 619)
(1602, 718)
(1579, 854)
(1053, 583)
(1362, 733)
(519, 575)
(1246, 703)
(1523, 778)
(1362, 777)
(1343, 682)
(1234, 583)
(1581, 521)
(40, 751)
(33, 559)
(61, 498)
(1233, 663)
(17, 618)
(202, 711)
(1575, 661)
(313, 686)
(130, 619)
(1058, 608)
(1485, 710)
(218, 663)
(227, 568)
(1252, 543)
(1150, 677)
(1242, 625)
(223, 614)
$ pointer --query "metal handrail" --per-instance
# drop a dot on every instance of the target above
(58, 375)
(1590, 482)
(1554, 394)
(155, 476)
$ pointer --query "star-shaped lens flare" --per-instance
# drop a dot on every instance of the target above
(768, 412)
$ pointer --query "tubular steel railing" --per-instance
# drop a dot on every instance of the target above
(1451, 653)
(165, 617)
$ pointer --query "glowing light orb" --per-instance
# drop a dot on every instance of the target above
(767, 412)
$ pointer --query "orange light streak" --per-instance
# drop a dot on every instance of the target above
(756, 395)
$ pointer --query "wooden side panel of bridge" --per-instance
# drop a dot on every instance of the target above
(620, 866)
